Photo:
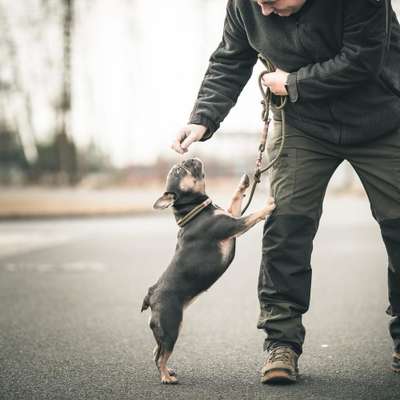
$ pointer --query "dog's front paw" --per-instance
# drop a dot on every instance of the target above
(244, 182)
(270, 206)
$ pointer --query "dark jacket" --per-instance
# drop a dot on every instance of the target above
(344, 62)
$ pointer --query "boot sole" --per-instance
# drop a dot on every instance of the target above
(278, 377)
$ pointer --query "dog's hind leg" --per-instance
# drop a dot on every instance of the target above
(156, 356)
(165, 331)
(154, 324)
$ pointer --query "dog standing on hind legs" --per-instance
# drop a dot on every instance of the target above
(204, 251)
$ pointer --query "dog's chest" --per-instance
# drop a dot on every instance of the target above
(226, 248)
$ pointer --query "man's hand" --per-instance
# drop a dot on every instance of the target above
(186, 136)
(276, 82)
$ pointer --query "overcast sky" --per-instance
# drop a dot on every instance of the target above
(146, 63)
(140, 67)
(137, 67)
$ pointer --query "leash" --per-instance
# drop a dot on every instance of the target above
(266, 102)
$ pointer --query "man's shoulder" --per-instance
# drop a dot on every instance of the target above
(243, 9)
(242, 5)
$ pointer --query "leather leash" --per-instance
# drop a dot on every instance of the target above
(266, 102)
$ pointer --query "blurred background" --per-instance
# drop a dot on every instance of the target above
(93, 92)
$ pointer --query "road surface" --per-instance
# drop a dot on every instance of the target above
(70, 326)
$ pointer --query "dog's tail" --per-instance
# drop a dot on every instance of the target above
(146, 303)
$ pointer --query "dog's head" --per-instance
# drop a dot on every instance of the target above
(185, 183)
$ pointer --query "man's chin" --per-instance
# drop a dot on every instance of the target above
(284, 13)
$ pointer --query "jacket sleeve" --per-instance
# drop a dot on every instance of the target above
(230, 67)
(363, 49)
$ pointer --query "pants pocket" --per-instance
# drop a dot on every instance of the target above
(282, 175)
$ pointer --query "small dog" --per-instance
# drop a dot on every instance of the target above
(205, 249)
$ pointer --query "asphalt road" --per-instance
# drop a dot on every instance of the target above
(70, 326)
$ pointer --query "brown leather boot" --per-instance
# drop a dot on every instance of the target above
(396, 362)
(280, 366)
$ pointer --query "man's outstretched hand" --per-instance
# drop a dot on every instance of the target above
(186, 136)
(276, 82)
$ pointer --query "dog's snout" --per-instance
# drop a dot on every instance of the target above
(195, 166)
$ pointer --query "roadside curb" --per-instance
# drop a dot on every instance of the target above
(75, 215)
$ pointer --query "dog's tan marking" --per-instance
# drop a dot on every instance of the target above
(220, 211)
(190, 183)
(226, 248)
(186, 183)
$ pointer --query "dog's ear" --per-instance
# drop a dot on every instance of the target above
(166, 200)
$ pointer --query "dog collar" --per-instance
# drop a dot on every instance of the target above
(193, 213)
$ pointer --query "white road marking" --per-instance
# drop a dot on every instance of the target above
(78, 266)
(19, 242)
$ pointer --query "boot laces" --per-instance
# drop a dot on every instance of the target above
(280, 354)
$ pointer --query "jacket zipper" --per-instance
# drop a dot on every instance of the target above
(387, 36)
(384, 81)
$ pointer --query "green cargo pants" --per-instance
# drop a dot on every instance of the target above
(298, 183)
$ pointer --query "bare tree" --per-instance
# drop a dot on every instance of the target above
(63, 141)
(14, 94)
(66, 147)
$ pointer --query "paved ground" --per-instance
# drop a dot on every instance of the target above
(70, 326)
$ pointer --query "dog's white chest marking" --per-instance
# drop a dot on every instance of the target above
(226, 248)
(220, 211)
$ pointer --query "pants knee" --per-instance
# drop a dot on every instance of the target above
(285, 267)
(390, 229)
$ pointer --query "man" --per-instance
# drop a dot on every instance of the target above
(338, 62)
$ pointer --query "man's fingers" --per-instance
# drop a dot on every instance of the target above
(177, 147)
(186, 136)
(176, 144)
(267, 79)
(188, 141)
